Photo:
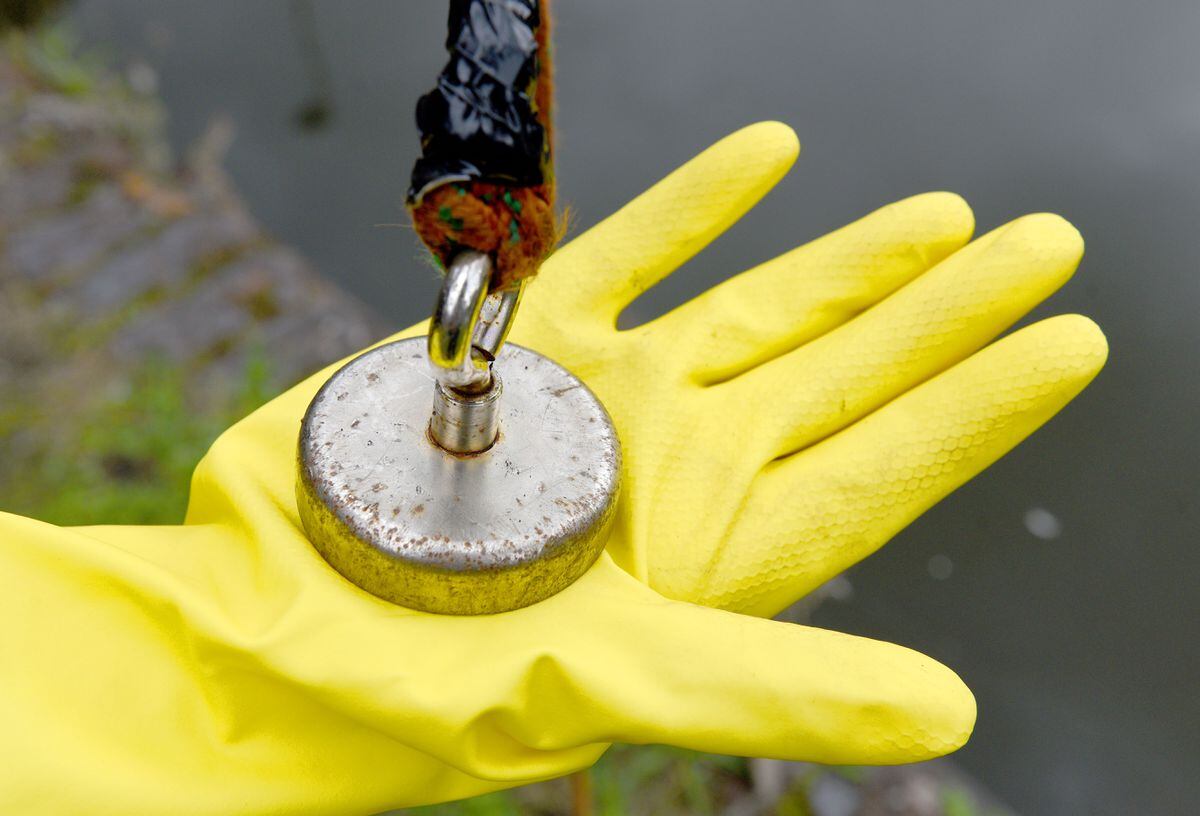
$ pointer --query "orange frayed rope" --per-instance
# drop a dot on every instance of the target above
(491, 210)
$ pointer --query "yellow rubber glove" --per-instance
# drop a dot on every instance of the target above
(776, 430)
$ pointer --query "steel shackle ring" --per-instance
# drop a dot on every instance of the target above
(469, 326)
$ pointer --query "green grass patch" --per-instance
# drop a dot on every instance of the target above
(132, 459)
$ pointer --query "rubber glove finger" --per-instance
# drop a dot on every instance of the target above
(661, 671)
(933, 322)
(794, 298)
(811, 515)
(607, 267)
(286, 658)
(540, 690)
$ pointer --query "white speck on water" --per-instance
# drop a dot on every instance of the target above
(940, 567)
(1043, 524)
(839, 588)
(142, 78)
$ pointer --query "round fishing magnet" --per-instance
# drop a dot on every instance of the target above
(458, 483)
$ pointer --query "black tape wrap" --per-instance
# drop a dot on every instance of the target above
(479, 123)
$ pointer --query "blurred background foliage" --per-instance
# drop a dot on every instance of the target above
(132, 460)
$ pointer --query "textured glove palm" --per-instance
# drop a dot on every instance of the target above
(776, 430)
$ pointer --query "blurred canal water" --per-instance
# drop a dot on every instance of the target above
(1061, 583)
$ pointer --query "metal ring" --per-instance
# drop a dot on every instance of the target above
(496, 318)
(469, 326)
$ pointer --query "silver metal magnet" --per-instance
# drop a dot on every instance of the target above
(456, 474)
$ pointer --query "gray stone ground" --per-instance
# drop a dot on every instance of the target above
(112, 255)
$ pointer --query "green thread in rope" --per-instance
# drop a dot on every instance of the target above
(448, 217)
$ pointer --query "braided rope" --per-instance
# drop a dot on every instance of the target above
(485, 180)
